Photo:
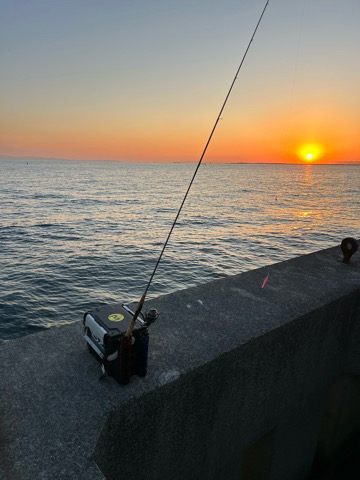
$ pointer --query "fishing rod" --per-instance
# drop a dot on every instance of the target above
(142, 299)
(121, 352)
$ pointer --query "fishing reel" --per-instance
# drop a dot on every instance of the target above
(349, 246)
(120, 355)
(151, 316)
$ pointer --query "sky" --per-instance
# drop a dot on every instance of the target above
(145, 80)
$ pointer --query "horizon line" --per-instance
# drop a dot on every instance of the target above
(33, 157)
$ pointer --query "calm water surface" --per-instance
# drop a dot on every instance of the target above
(75, 234)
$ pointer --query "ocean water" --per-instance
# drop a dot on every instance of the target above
(75, 234)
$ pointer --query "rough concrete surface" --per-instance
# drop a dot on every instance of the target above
(230, 365)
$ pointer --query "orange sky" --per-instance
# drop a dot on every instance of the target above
(125, 83)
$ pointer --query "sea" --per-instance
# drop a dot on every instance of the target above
(77, 234)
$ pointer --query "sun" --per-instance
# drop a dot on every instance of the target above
(310, 152)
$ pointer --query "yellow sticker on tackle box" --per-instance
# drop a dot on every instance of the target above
(116, 317)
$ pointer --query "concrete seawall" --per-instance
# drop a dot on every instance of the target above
(244, 383)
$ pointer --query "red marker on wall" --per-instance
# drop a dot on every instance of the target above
(264, 281)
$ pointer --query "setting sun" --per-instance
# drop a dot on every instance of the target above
(310, 151)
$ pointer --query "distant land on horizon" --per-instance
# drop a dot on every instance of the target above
(27, 158)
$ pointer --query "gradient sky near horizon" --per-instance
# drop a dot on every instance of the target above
(144, 80)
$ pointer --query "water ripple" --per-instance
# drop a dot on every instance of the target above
(78, 234)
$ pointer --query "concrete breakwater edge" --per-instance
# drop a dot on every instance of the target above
(244, 382)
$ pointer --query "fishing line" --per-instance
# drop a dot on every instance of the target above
(142, 300)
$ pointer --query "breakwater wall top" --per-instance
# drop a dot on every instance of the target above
(236, 372)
